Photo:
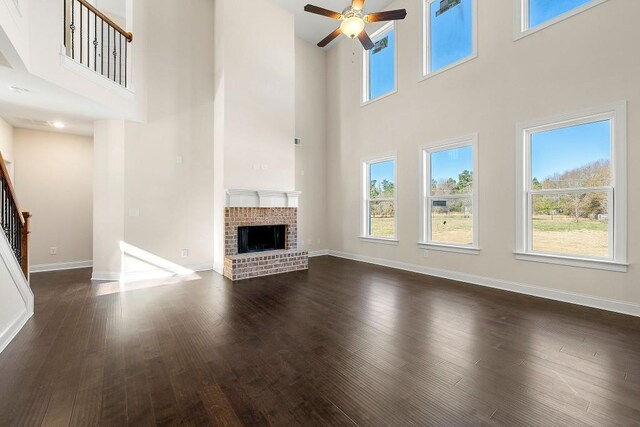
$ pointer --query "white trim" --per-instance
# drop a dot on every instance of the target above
(262, 198)
(381, 240)
(596, 264)
(12, 330)
(617, 114)
(425, 63)
(467, 250)
(364, 87)
(150, 274)
(521, 288)
(41, 268)
(424, 225)
(365, 177)
(521, 17)
(15, 271)
(321, 252)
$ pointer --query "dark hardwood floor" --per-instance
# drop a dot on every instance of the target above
(343, 344)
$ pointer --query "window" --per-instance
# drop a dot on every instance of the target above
(534, 15)
(379, 199)
(379, 65)
(449, 34)
(449, 196)
(573, 189)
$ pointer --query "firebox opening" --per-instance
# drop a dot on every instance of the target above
(261, 238)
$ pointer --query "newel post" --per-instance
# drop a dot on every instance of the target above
(25, 244)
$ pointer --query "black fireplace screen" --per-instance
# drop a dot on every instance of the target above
(261, 238)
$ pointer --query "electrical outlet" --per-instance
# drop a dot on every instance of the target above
(185, 253)
(134, 212)
(53, 251)
(425, 254)
(179, 160)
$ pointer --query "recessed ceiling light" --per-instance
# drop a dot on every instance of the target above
(17, 89)
(58, 125)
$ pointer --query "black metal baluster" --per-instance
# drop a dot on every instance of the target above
(115, 55)
(120, 63)
(88, 38)
(81, 56)
(126, 62)
(95, 42)
(73, 29)
(64, 27)
(108, 52)
(102, 46)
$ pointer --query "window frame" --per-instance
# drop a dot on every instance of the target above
(521, 27)
(425, 241)
(364, 96)
(365, 198)
(425, 65)
(617, 191)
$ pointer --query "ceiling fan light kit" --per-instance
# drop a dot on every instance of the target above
(354, 22)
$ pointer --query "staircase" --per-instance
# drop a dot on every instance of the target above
(16, 297)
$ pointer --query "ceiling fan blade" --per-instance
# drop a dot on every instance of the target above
(357, 4)
(365, 40)
(325, 41)
(389, 15)
(321, 11)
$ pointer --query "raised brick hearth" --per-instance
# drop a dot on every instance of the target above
(257, 264)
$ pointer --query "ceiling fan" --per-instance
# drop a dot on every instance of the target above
(354, 21)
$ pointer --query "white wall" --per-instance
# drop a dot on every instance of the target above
(156, 192)
(259, 95)
(53, 181)
(6, 145)
(581, 62)
(311, 126)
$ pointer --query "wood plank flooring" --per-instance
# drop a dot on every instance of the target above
(343, 344)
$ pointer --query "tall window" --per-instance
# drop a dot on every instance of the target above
(449, 195)
(537, 14)
(449, 34)
(573, 197)
(379, 198)
(379, 71)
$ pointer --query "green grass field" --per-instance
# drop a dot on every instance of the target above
(560, 234)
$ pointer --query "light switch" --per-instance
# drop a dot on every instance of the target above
(134, 212)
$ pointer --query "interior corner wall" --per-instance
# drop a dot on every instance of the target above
(259, 95)
(6, 140)
(53, 180)
(311, 125)
(584, 61)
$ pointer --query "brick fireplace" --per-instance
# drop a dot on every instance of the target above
(254, 209)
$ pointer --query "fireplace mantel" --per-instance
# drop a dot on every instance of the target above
(262, 199)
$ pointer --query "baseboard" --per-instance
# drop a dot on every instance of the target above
(105, 276)
(521, 288)
(322, 252)
(42, 268)
(10, 333)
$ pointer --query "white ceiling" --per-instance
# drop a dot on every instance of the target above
(26, 110)
(314, 28)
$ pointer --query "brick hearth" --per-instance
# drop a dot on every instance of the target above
(246, 266)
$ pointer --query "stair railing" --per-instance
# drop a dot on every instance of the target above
(95, 41)
(14, 222)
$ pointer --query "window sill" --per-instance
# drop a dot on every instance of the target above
(468, 250)
(448, 67)
(371, 101)
(574, 261)
(519, 34)
(381, 240)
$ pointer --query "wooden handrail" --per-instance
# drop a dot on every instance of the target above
(5, 175)
(105, 18)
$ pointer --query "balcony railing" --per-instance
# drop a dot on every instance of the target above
(95, 41)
